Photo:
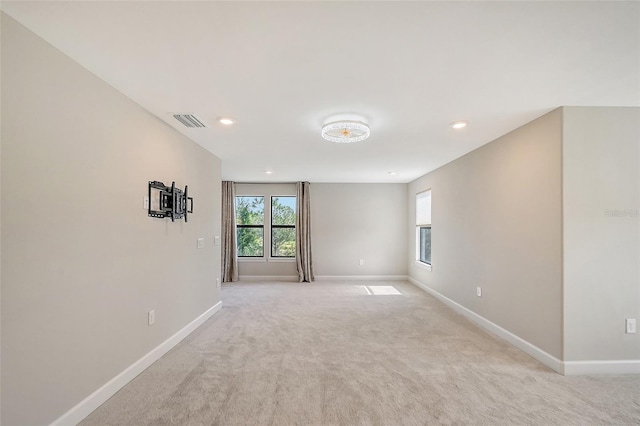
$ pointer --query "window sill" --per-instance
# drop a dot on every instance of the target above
(422, 265)
(251, 260)
(281, 259)
(266, 259)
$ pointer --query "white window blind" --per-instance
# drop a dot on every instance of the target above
(423, 208)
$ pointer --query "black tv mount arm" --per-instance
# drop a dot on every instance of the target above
(169, 201)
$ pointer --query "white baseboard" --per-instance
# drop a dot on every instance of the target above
(252, 278)
(534, 351)
(97, 398)
(576, 368)
(361, 278)
(294, 278)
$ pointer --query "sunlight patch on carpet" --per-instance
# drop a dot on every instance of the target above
(380, 290)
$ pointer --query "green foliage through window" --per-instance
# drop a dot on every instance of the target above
(250, 215)
(283, 226)
(250, 226)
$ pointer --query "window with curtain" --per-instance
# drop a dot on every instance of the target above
(423, 227)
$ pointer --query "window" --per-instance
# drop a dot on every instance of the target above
(283, 226)
(425, 245)
(423, 227)
(250, 226)
(251, 215)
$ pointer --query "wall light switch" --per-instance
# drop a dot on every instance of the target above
(630, 325)
(145, 203)
(200, 243)
(361, 262)
(218, 282)
(216, 240)
(479, 291)
(151, 317)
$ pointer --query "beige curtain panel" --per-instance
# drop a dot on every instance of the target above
(229, 251)
(303, 234)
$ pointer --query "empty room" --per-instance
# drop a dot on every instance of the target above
(319, 212)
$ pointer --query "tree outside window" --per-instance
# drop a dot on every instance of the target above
(250, 226)
(283, 226)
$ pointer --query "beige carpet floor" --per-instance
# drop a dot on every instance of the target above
(342, 353)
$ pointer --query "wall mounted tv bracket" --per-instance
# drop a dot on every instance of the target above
(169, 201)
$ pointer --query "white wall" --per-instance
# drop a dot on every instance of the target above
(349, 222)
(497, 224)
(0, 229)
(353, 221)
(82, 264)
(601, 159)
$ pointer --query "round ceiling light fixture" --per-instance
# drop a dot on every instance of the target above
(345, 131)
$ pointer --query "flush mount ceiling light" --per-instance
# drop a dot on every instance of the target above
(345, 131)
(458, 124)
(227, 121)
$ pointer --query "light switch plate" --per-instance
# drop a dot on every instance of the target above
(145, 203)
(200, 243)
(216, 240)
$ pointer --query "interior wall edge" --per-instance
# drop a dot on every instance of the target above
(535, 352)
(80, 411)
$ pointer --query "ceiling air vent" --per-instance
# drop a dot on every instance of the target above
(189, 120)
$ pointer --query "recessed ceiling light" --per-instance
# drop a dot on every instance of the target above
(227, 121)
(393, 173)
(458, 124)
(268, 172)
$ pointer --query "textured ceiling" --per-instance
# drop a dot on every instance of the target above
(410, 68)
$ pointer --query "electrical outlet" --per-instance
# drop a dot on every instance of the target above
(361, 262)
(479, 291)
(218, 282)
(630, 325)
(152, 317)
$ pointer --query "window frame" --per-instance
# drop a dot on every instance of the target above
(249, 226)
(419, 254)
(423, 224)
(272, 226)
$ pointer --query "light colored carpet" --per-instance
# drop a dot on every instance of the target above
(330, 353)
